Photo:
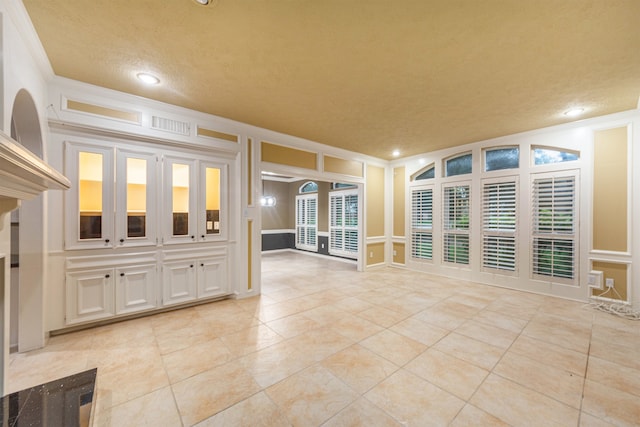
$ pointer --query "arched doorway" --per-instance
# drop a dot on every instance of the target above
(25, 128)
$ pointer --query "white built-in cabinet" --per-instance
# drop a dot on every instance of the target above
(189, 277)
(144, 229)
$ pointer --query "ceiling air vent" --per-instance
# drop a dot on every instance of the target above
(168, 125)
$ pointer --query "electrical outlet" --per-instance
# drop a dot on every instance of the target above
(322, 245)
(609, 282)
(595, 279)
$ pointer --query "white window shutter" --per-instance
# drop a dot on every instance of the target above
(499, 224)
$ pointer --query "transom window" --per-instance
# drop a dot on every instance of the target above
(308, 187)
(501, 158)
(458, 165)
(545, 156)
(428, 173)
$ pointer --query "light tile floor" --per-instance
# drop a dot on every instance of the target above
(325, 345)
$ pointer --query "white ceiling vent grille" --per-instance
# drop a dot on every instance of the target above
(169, 125)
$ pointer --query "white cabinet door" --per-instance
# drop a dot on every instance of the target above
(89, 202)
(90, 295)
(212, 277)
(212, 201)
(135, 288)
(180, 200)
(178, 282)
(136, 198)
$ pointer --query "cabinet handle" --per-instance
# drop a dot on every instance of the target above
(106, 240)
(191, 265)
(193, 237)
(121, 240)
(202, 236)
(106, 276)
(121, 274)
(202, 265)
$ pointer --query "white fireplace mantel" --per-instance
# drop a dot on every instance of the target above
(23, 175)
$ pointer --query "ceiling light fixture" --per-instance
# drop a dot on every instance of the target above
(395, 153)
(148, 78)
(574, 112)
(202, 2)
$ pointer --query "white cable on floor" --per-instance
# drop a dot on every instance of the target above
(617, 308)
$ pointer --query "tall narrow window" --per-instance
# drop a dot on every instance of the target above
(343, 225)
(306, 222)
(136, 197)
(499, 224)
(180, 199)
(422, 224)
(554, 227)
(90, 194)
(456, 203)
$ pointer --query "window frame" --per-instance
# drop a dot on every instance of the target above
(498, 148)
(500, 233)
(446, 160)
(536, 234)
(426, 231)
(456, 232)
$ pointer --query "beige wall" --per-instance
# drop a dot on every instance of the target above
(342, 166)
(398, 253)
(277, 217)
(610, 190)
(375, 201)
(375, 253)
(615, 271)
(398, 201)
(288, 156)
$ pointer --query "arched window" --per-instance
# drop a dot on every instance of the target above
(501, 158)
(458, 165)
(308, 187)
(428, 172)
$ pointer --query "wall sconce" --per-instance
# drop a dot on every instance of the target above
(268, 201)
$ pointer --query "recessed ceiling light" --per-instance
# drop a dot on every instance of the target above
(574, 112)
(395, 153)
(202, 2)
(148, 78)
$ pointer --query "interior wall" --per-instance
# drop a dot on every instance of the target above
(610, 190)
(277, 217)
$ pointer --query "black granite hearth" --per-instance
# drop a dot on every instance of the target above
(64, 402)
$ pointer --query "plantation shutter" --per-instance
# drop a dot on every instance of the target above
(422, 224)
(499, 224)
(554, 227)
(343, 223)
(306, 223)
(456, 205)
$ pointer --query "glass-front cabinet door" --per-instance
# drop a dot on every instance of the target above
(136, 204)
(212, 204)
(180, 195)
(89, 217)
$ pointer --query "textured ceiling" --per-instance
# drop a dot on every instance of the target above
(365, 75)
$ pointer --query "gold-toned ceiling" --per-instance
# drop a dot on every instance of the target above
(365, 75)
